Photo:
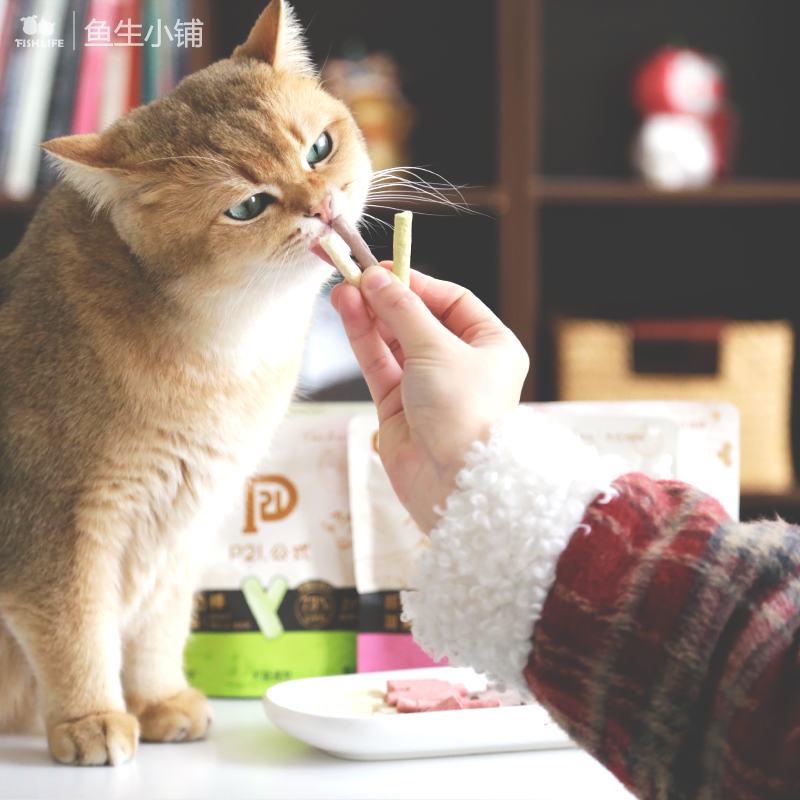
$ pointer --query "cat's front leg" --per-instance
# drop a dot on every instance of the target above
(155, 686)
(71, 638)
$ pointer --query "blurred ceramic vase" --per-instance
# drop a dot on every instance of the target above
(675, 151)
(679, 81)
(685, 140)
(370, 86)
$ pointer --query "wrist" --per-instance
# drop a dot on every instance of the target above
(450, 464)
(519, 498)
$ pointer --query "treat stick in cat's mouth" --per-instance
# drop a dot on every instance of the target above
(332, 245)
(353, 240)
(335, 248)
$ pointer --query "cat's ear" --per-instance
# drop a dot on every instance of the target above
(85, 161)
(277, 39)
(83, 149)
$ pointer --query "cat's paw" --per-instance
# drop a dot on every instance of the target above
(181, 718)
(97, 739)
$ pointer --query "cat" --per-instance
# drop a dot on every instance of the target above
(152, 322)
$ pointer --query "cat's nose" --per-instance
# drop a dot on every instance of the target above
(322, 210)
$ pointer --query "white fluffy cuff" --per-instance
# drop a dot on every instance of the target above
(480, 590)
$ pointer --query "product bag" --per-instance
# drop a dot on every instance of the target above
(277, 596)
(693, 442)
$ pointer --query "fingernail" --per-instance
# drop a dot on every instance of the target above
(375, 278)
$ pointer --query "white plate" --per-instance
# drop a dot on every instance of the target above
(290, 706)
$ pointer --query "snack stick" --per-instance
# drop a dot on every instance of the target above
(264, 605)
(402, 246)
(352, 238)
(336, 249)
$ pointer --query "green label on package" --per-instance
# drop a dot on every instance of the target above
(247, 664)
(277, 597)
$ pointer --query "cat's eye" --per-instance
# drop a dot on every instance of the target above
(251, 207)
(320, 150)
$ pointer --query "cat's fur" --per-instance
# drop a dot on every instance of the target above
(148, 347)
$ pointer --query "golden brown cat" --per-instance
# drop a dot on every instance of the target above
(151, 328)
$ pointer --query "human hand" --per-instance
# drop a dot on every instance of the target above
(441, 368)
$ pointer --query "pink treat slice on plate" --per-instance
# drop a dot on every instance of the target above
(422, 695)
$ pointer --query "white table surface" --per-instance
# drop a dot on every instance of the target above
(245, 756)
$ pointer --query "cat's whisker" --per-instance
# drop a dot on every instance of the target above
(369, 220)
(396, 187)
(395, 177)
(411, 187)
(422, 188)
(427, 197)
(380, 225)
(399, 181)
(420, 213)
(325, 62)
(399, 172)
(433, 200)
(365, 223)
(405, 191)
(413, 171)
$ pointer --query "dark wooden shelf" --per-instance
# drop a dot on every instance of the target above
(9, 206)
(766, 505)
(788, 497)
(551, 191)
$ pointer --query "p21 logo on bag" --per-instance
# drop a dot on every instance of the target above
(268, 498)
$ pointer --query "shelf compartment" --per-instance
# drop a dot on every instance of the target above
(766, 506)
(11, 206)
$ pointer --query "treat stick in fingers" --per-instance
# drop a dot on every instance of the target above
(336, 249)
(353, 240)
(402, 246)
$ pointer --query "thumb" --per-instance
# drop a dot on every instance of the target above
(402, 311)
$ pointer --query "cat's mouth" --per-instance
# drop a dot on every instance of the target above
(359, 251)
(317, 249)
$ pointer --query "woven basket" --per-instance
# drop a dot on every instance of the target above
(754, 369)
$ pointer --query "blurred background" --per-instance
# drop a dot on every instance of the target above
(631, 170)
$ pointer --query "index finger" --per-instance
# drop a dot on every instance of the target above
(456, 307)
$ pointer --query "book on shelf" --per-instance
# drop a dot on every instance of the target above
(151, 57)
(177, 14)
(59, 118)
(114, 83)
(24, 155)
(166, 62)
(86, 114)
(6, 13)
(134, 86)
(75, 66)
(13, 79)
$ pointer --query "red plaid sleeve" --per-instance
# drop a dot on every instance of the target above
(668, 645)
